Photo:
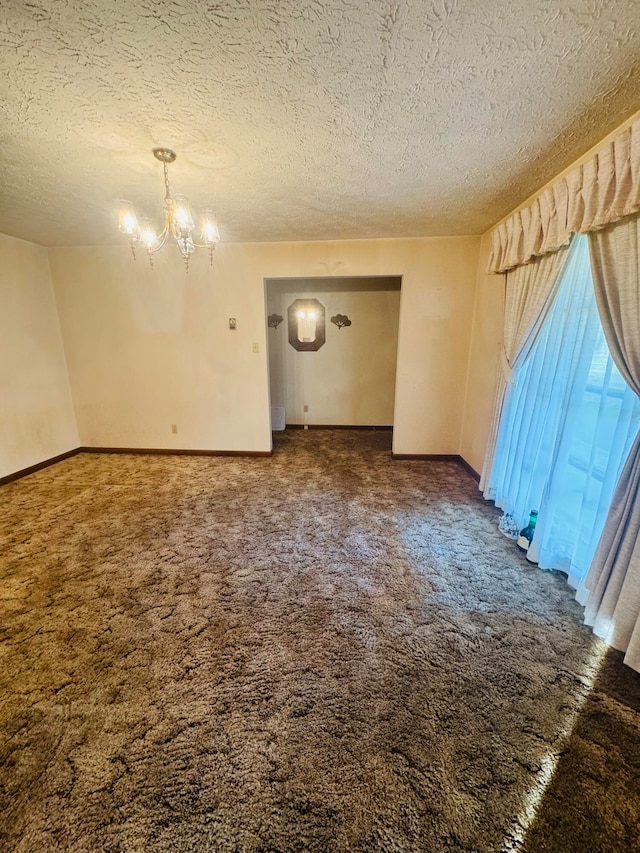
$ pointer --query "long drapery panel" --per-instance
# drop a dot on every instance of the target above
(613, 582)
(528, 294)
(568, 423)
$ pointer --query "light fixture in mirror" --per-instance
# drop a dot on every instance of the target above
(306, 325)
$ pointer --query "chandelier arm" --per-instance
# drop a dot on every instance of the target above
(162, 236)
(162, 239)
(203, 245)
(171, 227)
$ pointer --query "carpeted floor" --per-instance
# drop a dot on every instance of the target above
(322, 651)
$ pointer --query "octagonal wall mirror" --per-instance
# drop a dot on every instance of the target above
(306, 325)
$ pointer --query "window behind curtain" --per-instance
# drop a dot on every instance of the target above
(567, 426)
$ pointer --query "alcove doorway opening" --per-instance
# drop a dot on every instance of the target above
(332, 351)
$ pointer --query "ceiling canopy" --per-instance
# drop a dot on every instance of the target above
(324, 119)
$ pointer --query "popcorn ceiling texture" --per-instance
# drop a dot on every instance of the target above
(314, 120)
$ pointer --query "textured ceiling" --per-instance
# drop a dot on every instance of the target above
(303, 119)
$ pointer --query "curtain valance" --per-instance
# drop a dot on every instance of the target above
(599, 192)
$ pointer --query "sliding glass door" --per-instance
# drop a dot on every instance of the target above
(568, 423)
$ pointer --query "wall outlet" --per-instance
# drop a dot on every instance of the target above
(306, 426)
(305, 408)
(255, 348)
(232, 324)
(174, 429)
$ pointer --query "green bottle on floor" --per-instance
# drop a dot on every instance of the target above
(526, 534)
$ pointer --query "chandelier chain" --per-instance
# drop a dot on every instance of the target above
(167, 194)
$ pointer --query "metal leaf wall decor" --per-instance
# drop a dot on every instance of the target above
(341, 320)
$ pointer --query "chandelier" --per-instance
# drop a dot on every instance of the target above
(178, 222)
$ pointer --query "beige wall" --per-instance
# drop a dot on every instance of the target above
(148, 349)
(351, 378)
(484, 360)
(36, 411)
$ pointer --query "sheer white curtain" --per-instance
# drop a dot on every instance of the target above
(568, 423)
(529, 292)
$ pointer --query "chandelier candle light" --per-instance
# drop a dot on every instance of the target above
(178, 221)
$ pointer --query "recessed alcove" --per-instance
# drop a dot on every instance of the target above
(334, 374)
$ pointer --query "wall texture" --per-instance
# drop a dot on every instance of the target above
(36, 411)
(351, 379)
(484, 360)
(149, 349)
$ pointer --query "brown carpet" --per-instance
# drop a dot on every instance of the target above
(322, 651)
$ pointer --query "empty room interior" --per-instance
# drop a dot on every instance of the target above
(320, 426)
